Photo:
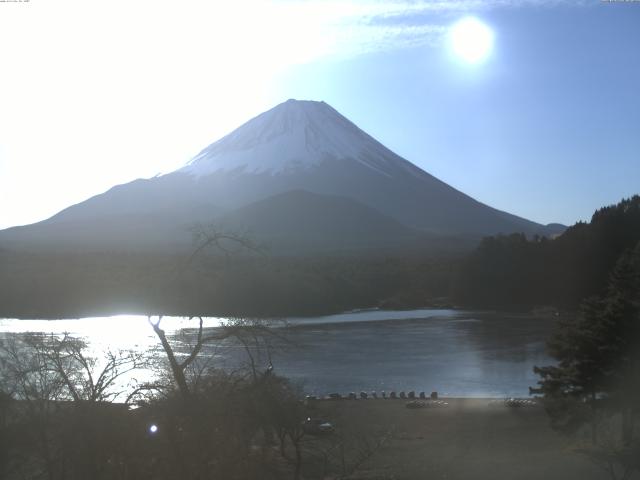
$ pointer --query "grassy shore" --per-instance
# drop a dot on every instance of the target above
(467, 439)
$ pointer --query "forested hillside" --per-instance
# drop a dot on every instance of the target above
(82, 284)
(515, 272)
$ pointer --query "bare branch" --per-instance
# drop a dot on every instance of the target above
(196, 349)
(176, 368)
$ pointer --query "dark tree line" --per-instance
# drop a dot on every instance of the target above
(519, 272)
(69, 285)
(596, 381)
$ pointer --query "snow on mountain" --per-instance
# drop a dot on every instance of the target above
(345, 183)
(295, 135)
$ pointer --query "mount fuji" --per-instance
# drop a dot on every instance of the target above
(300, 177)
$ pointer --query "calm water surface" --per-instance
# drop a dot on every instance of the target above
(457, 353)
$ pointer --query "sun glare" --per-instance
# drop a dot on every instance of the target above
(471, 40)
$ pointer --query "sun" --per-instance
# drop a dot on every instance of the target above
(471, 40)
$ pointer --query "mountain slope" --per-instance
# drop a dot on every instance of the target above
(298, 221)
(296, 146)
(309, 145)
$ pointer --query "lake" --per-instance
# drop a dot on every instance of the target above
(457, 353)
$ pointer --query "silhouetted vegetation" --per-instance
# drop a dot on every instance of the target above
(59, 421)
(512, 271)
(516, 272)
(597, 379)
(85, 284)
(59, 418)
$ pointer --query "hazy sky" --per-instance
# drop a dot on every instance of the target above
(97, 93)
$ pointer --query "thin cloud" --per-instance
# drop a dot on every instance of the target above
(360, 27)
(185, 72)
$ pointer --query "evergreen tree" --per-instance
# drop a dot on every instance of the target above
(598, 355)
(516, 272)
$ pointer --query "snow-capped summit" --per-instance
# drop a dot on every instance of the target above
(294, 135)
(300, 175)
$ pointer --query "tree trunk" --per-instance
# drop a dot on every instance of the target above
(298, 467)
(176, 368)
(627, 425)
(594, 420)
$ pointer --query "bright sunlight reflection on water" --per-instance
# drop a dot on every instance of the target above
(458, 353)
(120, 333)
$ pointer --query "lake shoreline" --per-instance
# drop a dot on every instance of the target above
(539, 311)
(454, 352)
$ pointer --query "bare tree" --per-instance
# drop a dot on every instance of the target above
(63, 423)
(228, 243)
(251, 334)
(86, 378)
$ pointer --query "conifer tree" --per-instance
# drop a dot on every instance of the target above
(598, 355)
